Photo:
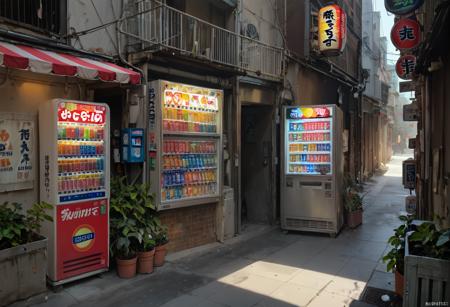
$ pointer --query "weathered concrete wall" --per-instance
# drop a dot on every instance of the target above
(84, 15)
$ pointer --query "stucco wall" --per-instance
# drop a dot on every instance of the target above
(21, 94)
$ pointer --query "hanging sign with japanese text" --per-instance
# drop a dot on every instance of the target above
(405, 34)
(406, 66)
(16, 152)
(402, 7)
(332, 30)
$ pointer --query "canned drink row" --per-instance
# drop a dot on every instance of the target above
(80, 183)
(309, 147)
(317, 136)
(181, 177)
(177, 146)
(80, 165)
(310, 126)
(188, 191)
(310, 169)
(183, 126)
(77, 149)
(188, 161)
(310, 158)
(80, 132)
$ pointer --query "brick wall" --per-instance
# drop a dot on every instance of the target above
(190, 227)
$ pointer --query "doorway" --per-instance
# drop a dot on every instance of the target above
(257, 165)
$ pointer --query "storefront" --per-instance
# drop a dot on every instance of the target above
(29, 78)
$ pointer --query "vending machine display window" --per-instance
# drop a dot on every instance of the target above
(188, 133)
(309, 141)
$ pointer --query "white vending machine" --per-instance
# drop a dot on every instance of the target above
(312, 169)
(74, 171)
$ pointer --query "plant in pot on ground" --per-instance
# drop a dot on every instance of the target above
(145, 215)
(427, 264)
(125, 235)
(395, 257)
(161, 238)
(353, 204)
(22, 251)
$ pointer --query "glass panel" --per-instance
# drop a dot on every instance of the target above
(309, 141)
(190, 112)
(189, 169)
(81, 149)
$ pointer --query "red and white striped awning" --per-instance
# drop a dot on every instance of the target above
(50, 62)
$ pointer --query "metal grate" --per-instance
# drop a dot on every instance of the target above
(309, 224)
(373, 296)
(82, 263)
(46, 16)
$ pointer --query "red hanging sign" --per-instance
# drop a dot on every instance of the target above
(406, 66)
(405, 34)
(81, 113)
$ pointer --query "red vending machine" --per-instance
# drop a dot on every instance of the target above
(74, 172)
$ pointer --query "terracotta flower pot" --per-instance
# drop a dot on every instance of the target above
(160, 254)
(354, 219)
(145, 262)
(126, 268)
(399, 283)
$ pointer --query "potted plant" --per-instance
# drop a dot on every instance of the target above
(427, 264)
(353, 204)
(23, 252)
(395, 257)
(125, 236)
(161, 240)
(145, 216)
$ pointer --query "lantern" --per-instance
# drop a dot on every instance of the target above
(332, 30)
(405, 66)
(402, 7)
(405, 34)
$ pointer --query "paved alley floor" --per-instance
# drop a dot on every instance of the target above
(271, 269)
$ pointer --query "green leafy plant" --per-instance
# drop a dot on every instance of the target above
(17, 228)
(160, 233)
(428, 241)
(395, 257)
(131, 218)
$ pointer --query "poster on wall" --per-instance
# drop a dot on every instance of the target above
(16, 151)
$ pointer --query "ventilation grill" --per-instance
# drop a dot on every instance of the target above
(82, 263)
(309, 224)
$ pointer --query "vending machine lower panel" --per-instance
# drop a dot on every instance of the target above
(82, 238)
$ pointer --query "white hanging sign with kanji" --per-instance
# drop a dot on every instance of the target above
(16, 151)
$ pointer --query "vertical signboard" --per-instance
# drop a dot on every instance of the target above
(16, 151)
(409, 174)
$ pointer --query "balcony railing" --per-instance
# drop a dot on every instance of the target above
(45, 16)
(151, 25)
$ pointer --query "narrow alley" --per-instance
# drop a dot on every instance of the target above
(270, 269)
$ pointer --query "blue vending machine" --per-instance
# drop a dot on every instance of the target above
(133, 145)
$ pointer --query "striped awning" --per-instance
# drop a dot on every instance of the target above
(50, 62)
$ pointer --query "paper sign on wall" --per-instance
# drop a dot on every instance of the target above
(16, 152)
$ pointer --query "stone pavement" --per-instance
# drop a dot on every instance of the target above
(270, 269)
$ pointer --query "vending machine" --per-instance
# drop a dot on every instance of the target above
(312, 169)
(184, 144)
(74, 172)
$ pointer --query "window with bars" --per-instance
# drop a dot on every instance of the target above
(45, 16)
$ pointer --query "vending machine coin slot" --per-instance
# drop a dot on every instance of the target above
(311, 184)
